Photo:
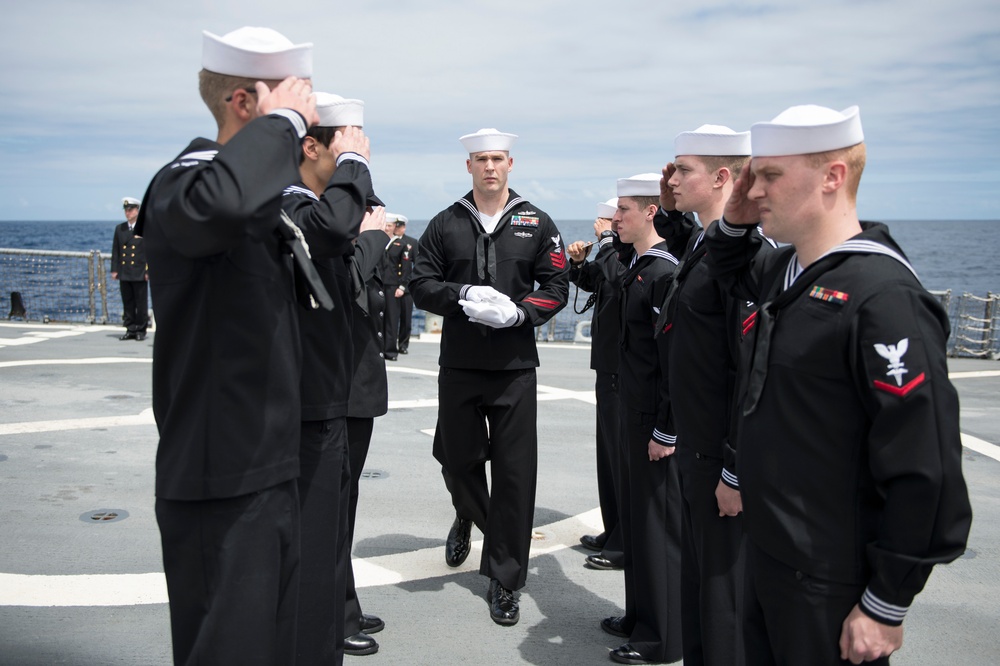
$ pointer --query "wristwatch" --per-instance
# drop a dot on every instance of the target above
(607, 233)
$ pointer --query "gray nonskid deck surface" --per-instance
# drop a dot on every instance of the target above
(77, 437)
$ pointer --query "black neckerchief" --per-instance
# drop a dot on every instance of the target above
(685, 267)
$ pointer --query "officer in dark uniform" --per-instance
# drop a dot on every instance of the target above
(849, 455)
(227, 358)
(396, 272)
(128, 266)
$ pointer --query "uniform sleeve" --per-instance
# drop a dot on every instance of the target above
(676, 229)
(551, 273)
(330, 224)
(368, 252)
(207, 207)
(914, 446)
(731, 253)
(428, 287)
(741, 317)
(115, 251)
(665, 432)
(590, 274)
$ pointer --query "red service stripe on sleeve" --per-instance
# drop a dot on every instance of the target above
(749, 322)
(901, 390)
(542, 303)
(668, 327)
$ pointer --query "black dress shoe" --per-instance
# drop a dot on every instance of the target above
(404, 351)
(503, 606)
(371, 624)
(616, 626)
(128, 336)
(600, 562)
(360, 644)
(140, 336)
(594, 542)
(392, 358)
(459, 542)
(626, 654)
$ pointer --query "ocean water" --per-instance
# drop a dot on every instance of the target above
(947, 254)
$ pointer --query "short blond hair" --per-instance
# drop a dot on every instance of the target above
(853, 156)
(215, 88)
(732, 162)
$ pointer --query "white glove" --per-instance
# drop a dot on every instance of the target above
(495, 315)
(481, 294)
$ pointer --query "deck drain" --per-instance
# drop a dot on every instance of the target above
(373, 474)
(104, 516)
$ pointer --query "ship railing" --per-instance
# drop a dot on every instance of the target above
(55, 286)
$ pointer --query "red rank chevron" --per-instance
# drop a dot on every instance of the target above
(544, 303)
(901, 390)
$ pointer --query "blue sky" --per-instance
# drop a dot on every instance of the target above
(97, 95)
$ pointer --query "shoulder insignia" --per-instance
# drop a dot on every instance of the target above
(896, 368)
(557, 256)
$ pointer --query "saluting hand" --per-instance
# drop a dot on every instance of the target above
(374, 220)
(741, 210)
(350, 140)
(601, 225)
(666, 192)
(292, 93)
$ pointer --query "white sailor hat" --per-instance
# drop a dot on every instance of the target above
(335, 111)
(641, 185)
(608, 208)
(395, 218)
(130, 201)
(712, 140)
(487, 139)
(801, 130)
(256, 53)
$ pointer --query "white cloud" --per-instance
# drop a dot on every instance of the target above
(103, 93)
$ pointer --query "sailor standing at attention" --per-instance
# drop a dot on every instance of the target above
(227, 357)
(128, 266)
(477, 265)
(706, 327)
(650, 491)
(849, 455)
(328, 205)
(602, 278)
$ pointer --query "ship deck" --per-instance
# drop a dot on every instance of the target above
(81, 577)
